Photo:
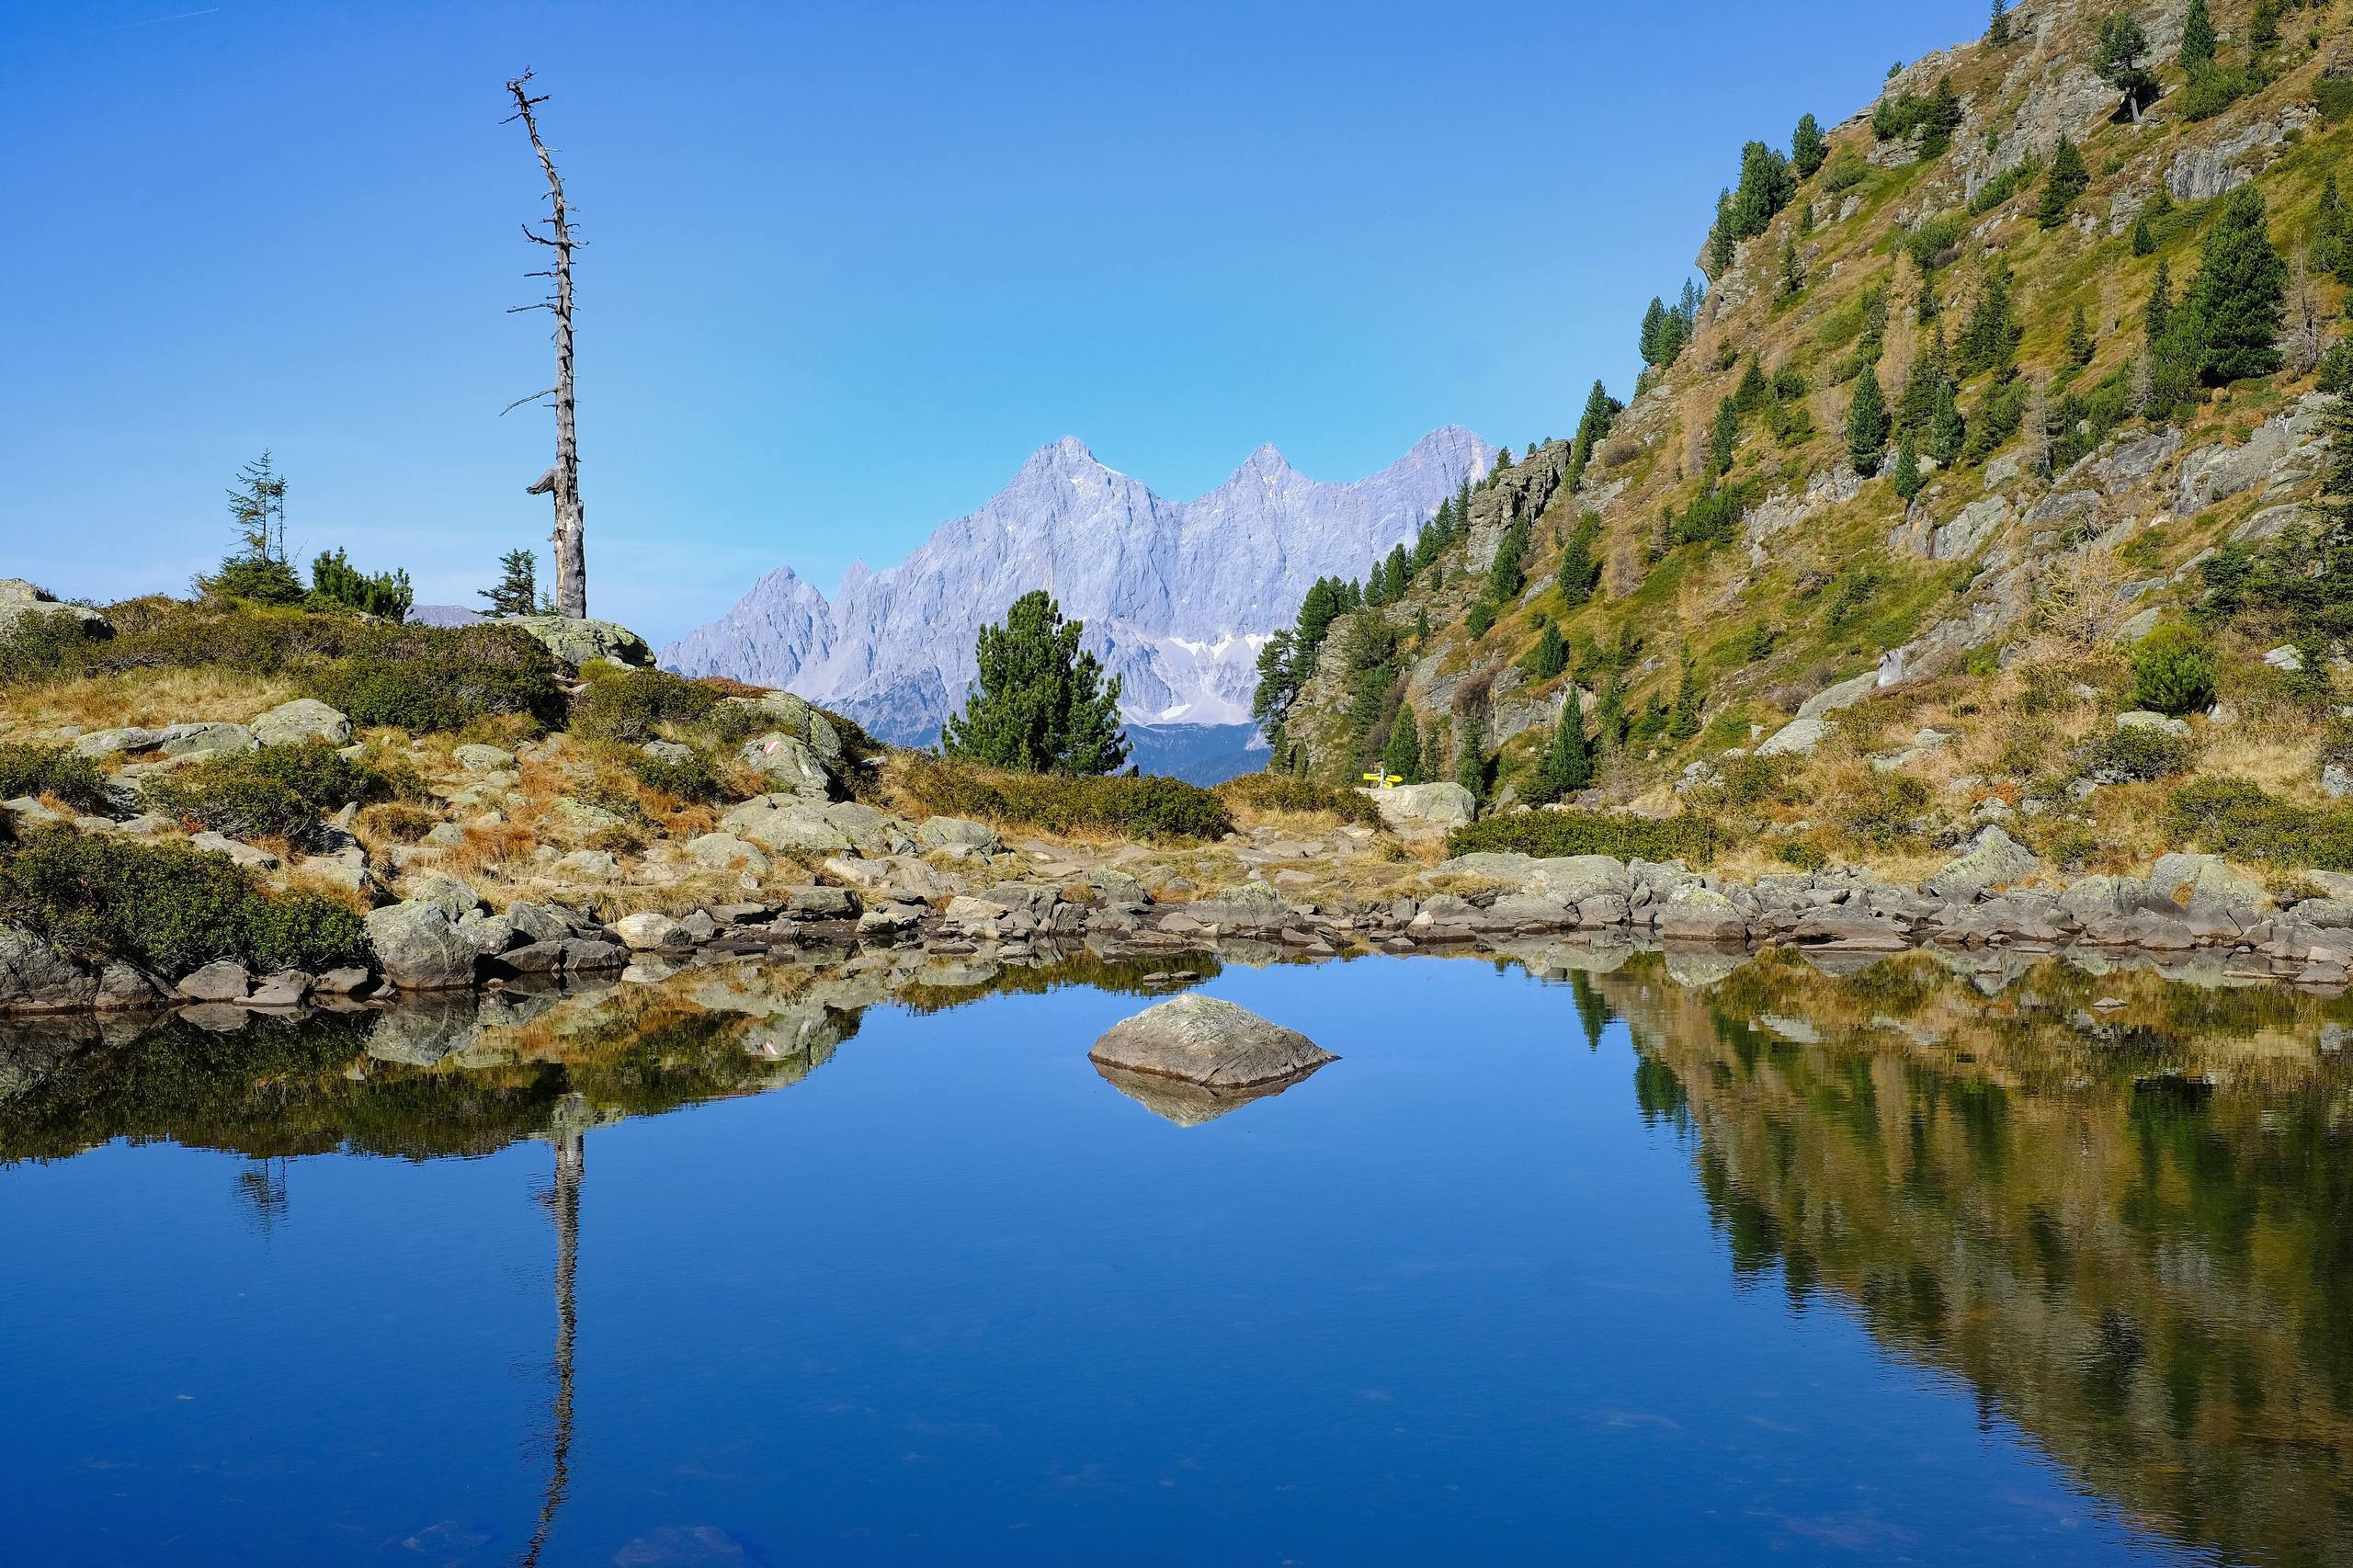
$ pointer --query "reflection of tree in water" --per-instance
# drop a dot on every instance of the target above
(563, 1198)
(2135, 1239)
(261, 1188)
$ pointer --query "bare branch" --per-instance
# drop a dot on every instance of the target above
(521, 400)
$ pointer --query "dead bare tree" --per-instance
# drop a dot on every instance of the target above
(563, 481)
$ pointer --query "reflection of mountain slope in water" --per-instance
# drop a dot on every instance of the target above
(2130, 1229)
(1189, 1105)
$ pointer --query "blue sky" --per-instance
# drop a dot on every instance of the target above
(849, 263)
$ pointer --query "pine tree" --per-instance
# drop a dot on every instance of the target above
(1931, 369)
(517, 592)
(2117, 59)
(1567, 766)
(1578, 572)
(1807, 147)
(1766, 187)
(1508, 575)
(1867, 424)
(257, 570)
(1723, 437)
(2197, 38)
(1948, 434)
(2144, 238)
(336, 582)
(1721, 238)
(1683, 722)
(1402, 755)
(1942, 118)
(1041, 704)
(1997, 31)
(1470, 771)
(2239, 297)
(2160, 307)
(1991, 335)
(1905, 476)
(1655, 331)
(1421, 626)
(1792, 272)
(2068, 179)
(2079, 338)
(1551, 654)
(2331, 251)
(1609, 714)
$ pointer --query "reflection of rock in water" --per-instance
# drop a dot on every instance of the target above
(1189, 1105)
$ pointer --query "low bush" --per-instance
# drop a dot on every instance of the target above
(1125, 804)
(2136, 755)
(2171, 673)
(1283, 792)
(278, 791)
(2234, 816)
(689, 778)
(443, 681)
(1883, 808)
(51, 770)
(166, 907)
(629, 705)
(1695, 839)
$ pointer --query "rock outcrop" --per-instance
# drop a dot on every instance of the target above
(1208, 1044)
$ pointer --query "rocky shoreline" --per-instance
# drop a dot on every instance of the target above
(896, 897)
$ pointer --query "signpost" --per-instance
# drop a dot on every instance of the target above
(1384, 781)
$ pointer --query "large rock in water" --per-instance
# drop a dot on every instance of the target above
(1214, 1045)
(418, 949)
(1194, 1058)
(576, 641)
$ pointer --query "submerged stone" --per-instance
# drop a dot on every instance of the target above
(1209, 1043)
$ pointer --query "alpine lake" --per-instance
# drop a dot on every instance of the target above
(1576, 1254)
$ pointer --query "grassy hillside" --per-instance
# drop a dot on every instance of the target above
(2053, 481)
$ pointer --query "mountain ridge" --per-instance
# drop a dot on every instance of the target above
(1179, 595)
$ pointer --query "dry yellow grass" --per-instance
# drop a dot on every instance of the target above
(145, 698)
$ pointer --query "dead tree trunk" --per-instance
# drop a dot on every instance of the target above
(570, 549)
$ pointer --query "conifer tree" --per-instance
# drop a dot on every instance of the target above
(2067, 179)
(1991, 335)
(1948, 434)
(1470, 769)
(517, 592)
(1578, 571)
(2118, 60)
(1721, 239)
(1793, 282)
(1867, 424)
(2239, 296)
(2160, 307)
(1723, 437)
(2144, 238)
(1402, 755)
(1905, 476)
(1421, 626)
(1609, 714)
(1551, 654)
(2079, 338)
(1567, 766)
(1655, 331)
(1997, 31)
(1041, 704)
(1931, 369)
(1508, 575)
(1683, 722)
(336, 582)
(1807, 147)
(2197, 38)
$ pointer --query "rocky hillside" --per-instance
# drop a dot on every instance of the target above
(1177, 597)
(2083, 277)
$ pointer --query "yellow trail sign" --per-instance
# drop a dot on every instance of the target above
(1384, 781)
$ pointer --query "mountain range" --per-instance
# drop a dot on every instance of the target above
(1177, 596)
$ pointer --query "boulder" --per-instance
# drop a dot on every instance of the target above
(1844, 694)
(577, 641)
(477, 757)
(115, 742)
(726, 852)
(2142, 719)
(305, 719)
(651, 932)
(2205, 889)
(821, 903)
(1993, 859)
(1253, 906)
(1573, 879)
(1489, 866)
(288, 988)
(787, 714)
(208, 740)
(452, 897)
(789, 762)
(1209, 1044)
(938, 833)
(577, 818)
(1424, 807)
(418, 946)
(20, 599)
(37, 978)
(785, 823)
(1796, 738)
(1694, 913)
(223, 980)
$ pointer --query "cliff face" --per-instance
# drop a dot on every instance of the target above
(1177, 596)
(2093, 505)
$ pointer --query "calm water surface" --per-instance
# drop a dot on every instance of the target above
(1597, 1268)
